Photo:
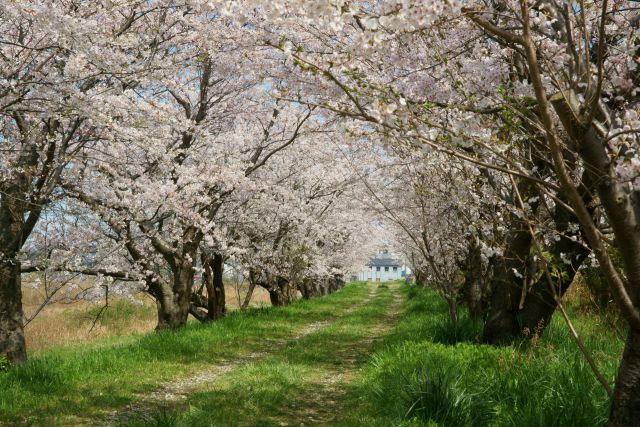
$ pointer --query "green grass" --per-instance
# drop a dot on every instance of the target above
(423, 375)
(288, 384)
(58, 384)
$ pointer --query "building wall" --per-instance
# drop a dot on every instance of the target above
(370, 274)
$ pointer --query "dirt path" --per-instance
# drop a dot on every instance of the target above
(173, 394)
(324, 399)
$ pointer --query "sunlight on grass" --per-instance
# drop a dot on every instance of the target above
(100, 377)
(422, 372)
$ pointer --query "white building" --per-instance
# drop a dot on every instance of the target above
(383, 268)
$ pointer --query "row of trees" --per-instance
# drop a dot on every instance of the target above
(143, 147)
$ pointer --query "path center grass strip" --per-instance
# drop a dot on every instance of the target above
(65, 385)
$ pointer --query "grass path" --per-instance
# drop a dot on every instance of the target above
(172, 394)
(364, 356)
(327, 397)
(291, 365)
(304, 382)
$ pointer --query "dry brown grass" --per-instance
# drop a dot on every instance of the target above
(67, 323)
(59, 323)
(578, 293)
(235, 293)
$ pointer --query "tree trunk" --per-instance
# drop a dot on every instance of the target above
(247, 297)
(215, 302)
(216, 295)
(540, 304)
(625, 409)
(323, 286)
(337, 282)
(279, 292)
(501, 325)
(170, 315)
(174, 302)
(530, 307)
(12, 343)
(13, 233)
(421, 279)
(474, 280)
(453, 310)
(307, 289)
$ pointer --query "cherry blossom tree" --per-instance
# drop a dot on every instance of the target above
(59, 60)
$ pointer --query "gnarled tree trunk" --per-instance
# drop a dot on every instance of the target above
(173, 301)
(527, 308)
(279, 292)
(12, 237)
(308, 288)
(625, 410)
(12, 343)
(508, 280)
(540, 303)
(218, 305)
(213, 267)
(474, 280)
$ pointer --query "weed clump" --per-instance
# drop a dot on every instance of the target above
(4, 363)
(435, 396)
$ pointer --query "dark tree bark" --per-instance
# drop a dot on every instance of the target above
(421, 279)
(519, 306)
(540, 304)
(212, 280)
(12, 343)
(453, 310)
(217, 303)
(625, 410)
(501, 326)
(174, 302)
(323, 286)
(337, 282)
(474, 280)
(279, 292)
(308, 288)
(13, 232)
(524, 309)
(23, 195)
